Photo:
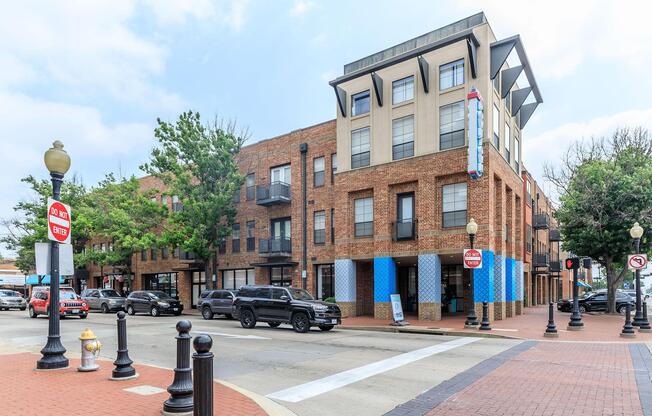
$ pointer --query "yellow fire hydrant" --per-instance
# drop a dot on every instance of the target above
(90, 350)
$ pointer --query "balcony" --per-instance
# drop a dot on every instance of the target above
(274, 193)
(404, 230)
(541, 222)
(275, 247)
(541, 260)
(554, 235)
(555, 266)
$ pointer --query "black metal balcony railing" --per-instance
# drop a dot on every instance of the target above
(541, 221)
(555, 266)
(541, 260)
(405, 230)
(554, 235)
(274, 193)
(275, 247)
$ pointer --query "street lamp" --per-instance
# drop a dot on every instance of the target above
(471, 318)
(639, 320)
(58, 162)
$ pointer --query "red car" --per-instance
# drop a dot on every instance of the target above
(69, 303)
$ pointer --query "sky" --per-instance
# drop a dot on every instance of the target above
(97, 74)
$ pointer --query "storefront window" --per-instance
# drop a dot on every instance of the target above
(280, 276)
(452, 288)
(235, 279)
(325, 281)
(165, 282)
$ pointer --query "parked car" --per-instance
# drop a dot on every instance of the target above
(596, 302)
(105, 300)
(70, 304)
(632, 294)
(153, 302)
(216, 302)
(278, 305)
(10, 299)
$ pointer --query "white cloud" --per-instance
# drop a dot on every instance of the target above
(301, 7)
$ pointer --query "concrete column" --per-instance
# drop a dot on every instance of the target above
(484, 284)
(499, 287)
(429, 270)
(345, 286)
(510, 289)
(384, 285)
(520, 281)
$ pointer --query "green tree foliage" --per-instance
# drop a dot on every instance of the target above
(197, 163)
(604, 188)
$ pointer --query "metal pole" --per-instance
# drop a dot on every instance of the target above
(485, 324)
(180, 390)
(628, 329)
(638, 318)
(575, 323)
(471, 318)
(53, 352)
(202, 364)
(645, 325)
(551, 329)
(123, 369)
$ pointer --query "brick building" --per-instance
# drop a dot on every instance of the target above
(376, 202)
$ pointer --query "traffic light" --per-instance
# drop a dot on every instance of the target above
(586, 262)
(573, 263)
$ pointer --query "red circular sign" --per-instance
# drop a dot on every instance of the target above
(472, 258)
(637, 262)
(59, 221)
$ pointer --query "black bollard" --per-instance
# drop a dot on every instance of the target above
(180, 390)
(628, 328)
(551, 329)
(123, 369)
(202, 365)
(645, 324)
(484, 325)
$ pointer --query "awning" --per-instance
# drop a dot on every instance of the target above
(582, 284)
(276, 264)
(33, 279)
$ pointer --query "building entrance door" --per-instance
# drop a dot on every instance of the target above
(407, 289)
(452, 288)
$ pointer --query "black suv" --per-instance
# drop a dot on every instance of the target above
(153, 302)
(220, 301)
(596, 302)
(277, 305)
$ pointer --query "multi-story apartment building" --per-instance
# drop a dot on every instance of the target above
(376, 202)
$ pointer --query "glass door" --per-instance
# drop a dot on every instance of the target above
(281, 174)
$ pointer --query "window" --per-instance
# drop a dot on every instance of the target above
(451, 75)
(360, 103)
(221, 246)
(278, 293)
(454, 205)
(364, 217)
(165, 282)
(325, 281)
(517, 149)
(404, 228)
(280, 276)
(164, 200)
(497, 82)
(403, 90)
(528, 190)
(235, 279)
(94, 247)
(508, 103)
(451, 125)
(403, 137)
(176, 252)
(103, 246)
(506, 232)
(251, 235)
(528, 238)
(176, 204)
(250, 184)
(318, 171)
(235, 238)
(332, 225)
(164, 253)
(143, 255)
(319, 227)
(333, 166)
(360, 148)
(496, 124)
(152, 254)
(281, 174)
(508, 139)
(236, 196)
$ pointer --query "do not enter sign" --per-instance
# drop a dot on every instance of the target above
(472, 259)
(58, 221)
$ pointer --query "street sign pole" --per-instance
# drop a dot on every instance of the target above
(575, 323)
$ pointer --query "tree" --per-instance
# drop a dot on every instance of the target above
(605, 186)
(197, 163)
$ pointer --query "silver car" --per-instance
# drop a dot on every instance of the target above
(105, 300)
(10, 299)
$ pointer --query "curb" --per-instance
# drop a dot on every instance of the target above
(427, 331)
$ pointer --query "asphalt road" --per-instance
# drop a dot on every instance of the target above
(319, 373)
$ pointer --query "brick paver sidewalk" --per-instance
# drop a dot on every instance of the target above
(69, 392)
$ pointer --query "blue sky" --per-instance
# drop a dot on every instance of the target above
(97, 74)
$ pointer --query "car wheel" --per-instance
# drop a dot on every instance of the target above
(32, 313)
(155, 311)
(177, 313)
(207, 313)
(228, 316)
(83, 316)
(105, 308)
(130, 310)
(22, 309)
(273, 324)
(300, 322)
(583, 309)
(621, 309)
(326, 327)
(247, 319)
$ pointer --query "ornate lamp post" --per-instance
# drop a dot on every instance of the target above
(639, 320)
(471, 318)
(58, 162)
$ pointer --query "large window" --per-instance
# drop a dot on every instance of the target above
(176, 204)
(360, 103)
(325, 281)
(496, 125)
(319, 227)
(251, 188)
(251, 235)
(364, 217)
(360, 148)
(281, 174)
(454, 205)
(318, 171)
(451, 125)
(152, 253)
(143, 254)
(403, 90)
(165, 282)
(333, 166)
(280, 276)
(508, 139)
(234, 279)
(235, 238)
(403, 137)
(451, 75)
(517, 150)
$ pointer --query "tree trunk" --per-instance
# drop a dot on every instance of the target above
(613, 282)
